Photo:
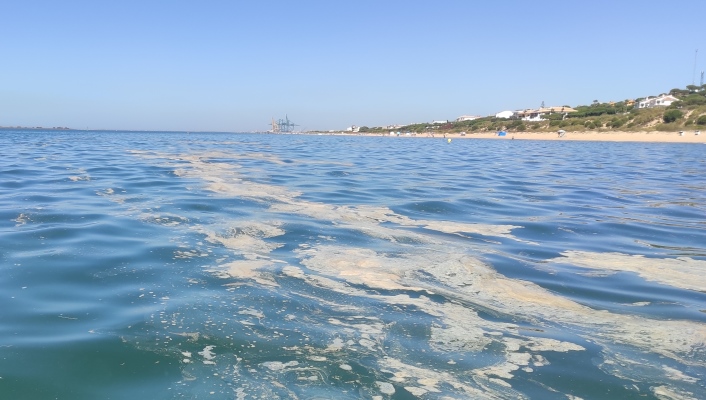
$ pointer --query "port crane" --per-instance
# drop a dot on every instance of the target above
(282, 125)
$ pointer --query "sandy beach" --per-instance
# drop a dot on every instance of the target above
(602, 136)
(608, 136)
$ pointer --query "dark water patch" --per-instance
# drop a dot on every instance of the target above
(346, 196)
(113, 170)
(683, 212)
(427, 208)
(19, 184)
(384, 193)
(677, 251)
(626, 293)
(19, 173)
(567, 374)
(483, 204)
(338, 174)
(212, 205)
(104, 367)
(139, 183)
(281, 179)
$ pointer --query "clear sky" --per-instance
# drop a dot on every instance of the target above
(234, 65)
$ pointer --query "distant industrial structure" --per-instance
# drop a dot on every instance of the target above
(282, 125)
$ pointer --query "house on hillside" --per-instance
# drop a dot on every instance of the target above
(505, 114)
(466, 118)
(536, 115)
(530, 115)
(553, 110)
(660, 101)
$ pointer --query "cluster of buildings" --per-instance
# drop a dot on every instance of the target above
(537, 115)
(532, 115)
(659, 101)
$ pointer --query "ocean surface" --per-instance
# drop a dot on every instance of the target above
(145, 265)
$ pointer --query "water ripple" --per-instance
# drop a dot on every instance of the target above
(175, 265)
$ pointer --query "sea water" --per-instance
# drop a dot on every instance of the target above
(146, 265)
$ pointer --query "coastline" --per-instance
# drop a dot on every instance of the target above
(689, 136)
(593, 136)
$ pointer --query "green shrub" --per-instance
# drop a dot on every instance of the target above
(617, 122)
(701, 120)
(667, 127)
(693, 99)
(671, 116)
(554, 116)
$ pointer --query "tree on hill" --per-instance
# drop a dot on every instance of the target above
(693, 99)
(692, 88)
(671, 116)
(678, 92)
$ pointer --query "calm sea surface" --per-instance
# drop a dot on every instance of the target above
(236, 266)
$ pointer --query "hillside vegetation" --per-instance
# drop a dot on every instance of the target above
(686, 114)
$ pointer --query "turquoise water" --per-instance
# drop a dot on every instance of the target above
(237, 266)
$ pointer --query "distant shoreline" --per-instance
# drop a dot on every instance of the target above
(589, 136)
(592, 136)
(37, 128)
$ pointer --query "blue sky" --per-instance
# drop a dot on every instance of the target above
(234, 65)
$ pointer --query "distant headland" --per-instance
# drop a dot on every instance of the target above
(39, 128)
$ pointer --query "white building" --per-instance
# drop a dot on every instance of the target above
(466, 118)
(536, 115)
(531, 115)
(661, 101)
(505, 114)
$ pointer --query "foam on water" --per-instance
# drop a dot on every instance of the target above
(680, 272)
(240, 284)
(414, 262)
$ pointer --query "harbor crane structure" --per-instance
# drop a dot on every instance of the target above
(282, 125)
